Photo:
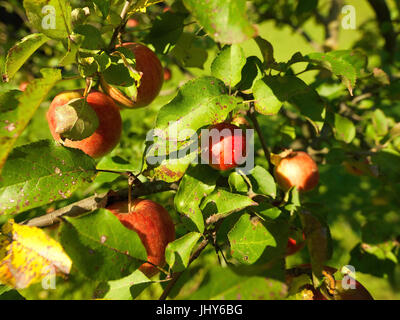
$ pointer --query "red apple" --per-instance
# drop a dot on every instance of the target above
(150, 84)
(226, 152)
(167, 74)
(107, 134)
(294, 246)
(132, 23)
(297, 169)
(23, 85)
(154, 226)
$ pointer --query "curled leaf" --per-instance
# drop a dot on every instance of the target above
(76, 120)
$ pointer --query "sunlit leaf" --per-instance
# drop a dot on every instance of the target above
(28, 254)
(21, 52)
(224, 20)
(17, 116)
(40, 173)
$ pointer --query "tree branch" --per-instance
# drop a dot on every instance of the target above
(332, 26)
(99, 201)
(385, 23)
(118, 30)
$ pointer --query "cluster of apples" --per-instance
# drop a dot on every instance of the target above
(107, 105)
(292, 168)
(149, 219)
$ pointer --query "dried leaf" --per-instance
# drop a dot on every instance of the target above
(28, 254)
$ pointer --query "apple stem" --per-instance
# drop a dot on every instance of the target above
(131, 180)
(158, 268)
(89, 83)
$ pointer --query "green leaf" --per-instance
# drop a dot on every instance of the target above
(388, 162)
(116, 163)
(262, 181)
(51, 17)
(237, 183)
(230, 284)
(72, 51)
(200, 102)
(7, 293)
(103, 60)
(165, 31)
(40, 173)
(228, 65)
(18, 115)
(306, 6)
(87, 66)
(168, 160)
(221, 203)
(355, 57)
(101, 247)
(224, 20)
(104, 6)
(266, 101)
(251, 72)
(249, 238)
(21, 52)
(127, 288)
(119, 69)
(266, 210)
(76, 120)
(375, 260)
(178, 252)
(187, 53)
(345, 129)
(380, 122)
(92, 39)
(266, 49)
(8, 103)
(198, 182)
(318, 241)
(272, 91)
(338, 65)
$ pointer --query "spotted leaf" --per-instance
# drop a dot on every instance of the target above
(40, 173)
(28, 254)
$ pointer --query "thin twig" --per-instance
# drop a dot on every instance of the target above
(119, 29)
(385, 23)
(99, 201)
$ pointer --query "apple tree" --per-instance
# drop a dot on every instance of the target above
(173, 149)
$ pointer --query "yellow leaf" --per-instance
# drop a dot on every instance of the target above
(141, 5)
(28, 254)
